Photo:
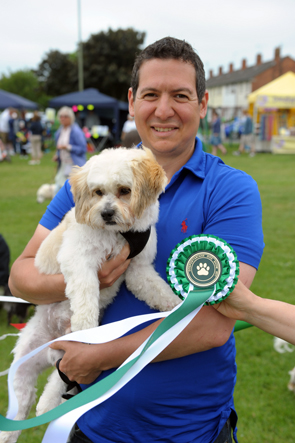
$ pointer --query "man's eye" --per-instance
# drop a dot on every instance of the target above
(125, 191)
(182, 96)
(150, 95)
(98, 192)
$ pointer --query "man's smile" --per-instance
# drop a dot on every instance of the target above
(159, 129)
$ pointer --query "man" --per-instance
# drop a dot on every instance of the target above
(247, 137)
(186, 394)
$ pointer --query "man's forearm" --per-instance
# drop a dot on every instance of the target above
(83, 363)
(26, 282)
(209, 329)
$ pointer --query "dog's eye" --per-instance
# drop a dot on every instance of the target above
(125, 191)
(98, 192)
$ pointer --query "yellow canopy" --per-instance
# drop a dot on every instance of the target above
(279, 93)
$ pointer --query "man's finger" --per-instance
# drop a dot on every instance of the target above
(59, 345)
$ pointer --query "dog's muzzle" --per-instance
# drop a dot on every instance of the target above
(107, 215)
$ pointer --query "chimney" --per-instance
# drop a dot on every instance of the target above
(220, 70)
(210, 73)
(244, 63)
(277, 54)
(231, 67)
(258, 59)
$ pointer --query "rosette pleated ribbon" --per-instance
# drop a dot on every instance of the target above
(64, 416)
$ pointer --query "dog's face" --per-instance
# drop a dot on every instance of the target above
(116, 188)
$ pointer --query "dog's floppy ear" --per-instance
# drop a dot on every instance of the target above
(149, 180)
(80, 191)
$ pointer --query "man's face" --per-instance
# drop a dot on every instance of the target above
(166, 107)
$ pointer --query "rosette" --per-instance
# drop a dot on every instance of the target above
(201, 262)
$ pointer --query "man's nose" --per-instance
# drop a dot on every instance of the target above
(164, 108)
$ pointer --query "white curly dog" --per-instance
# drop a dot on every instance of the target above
(115, 191)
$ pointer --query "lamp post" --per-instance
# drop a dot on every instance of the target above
(80, 51)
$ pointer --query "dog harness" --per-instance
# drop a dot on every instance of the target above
(137, 241)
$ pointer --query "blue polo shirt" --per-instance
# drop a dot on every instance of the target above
(187, 399)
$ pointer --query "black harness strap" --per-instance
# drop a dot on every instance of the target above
(137, 241)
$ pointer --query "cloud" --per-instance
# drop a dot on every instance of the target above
(221, 32)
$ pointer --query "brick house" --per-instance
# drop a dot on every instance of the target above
(228, 91)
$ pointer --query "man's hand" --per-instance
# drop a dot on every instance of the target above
(112, 269)
(79, 362)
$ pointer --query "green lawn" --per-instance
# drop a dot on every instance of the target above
(265, 406)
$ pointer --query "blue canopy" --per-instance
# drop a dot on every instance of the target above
(92, 96)
(10, 100)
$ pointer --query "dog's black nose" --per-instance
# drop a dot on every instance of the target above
(107, 214)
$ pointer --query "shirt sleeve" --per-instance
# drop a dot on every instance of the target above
(58, 207)
(233, 212)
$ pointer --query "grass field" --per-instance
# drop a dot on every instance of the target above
(265, 407)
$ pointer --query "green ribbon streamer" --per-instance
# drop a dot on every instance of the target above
(241, 325)
(193, 301)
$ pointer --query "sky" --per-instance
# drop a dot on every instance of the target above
(221, 31)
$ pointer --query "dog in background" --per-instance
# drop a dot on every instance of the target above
(45, 192)
(283, 346)
(114, 192)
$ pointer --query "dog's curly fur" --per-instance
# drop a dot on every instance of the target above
(114, 192)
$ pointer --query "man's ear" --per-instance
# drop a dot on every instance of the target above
(131, 102)
(203, 105)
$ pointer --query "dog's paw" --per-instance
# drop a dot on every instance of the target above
(9, 437)
(46, 405)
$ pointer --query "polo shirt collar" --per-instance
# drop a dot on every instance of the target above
(196, 164)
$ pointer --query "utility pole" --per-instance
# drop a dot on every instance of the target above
(80, 50)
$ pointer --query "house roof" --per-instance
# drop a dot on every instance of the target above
(242, 75)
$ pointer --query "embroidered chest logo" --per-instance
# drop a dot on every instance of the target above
(184, 226)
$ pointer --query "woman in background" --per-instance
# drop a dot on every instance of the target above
(71, 146)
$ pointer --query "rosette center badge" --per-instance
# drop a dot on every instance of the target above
(203, 269)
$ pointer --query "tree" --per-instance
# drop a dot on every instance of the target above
(25, 84)
(108, 60)
(57, 73)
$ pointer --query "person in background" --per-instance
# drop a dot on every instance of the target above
(272, 316)
(215, 139)
(12, 126)
(22, 134)
(36, 129)
(247, 136)
(6, 145)
(128, 126)
(92, 119)
(70, 144)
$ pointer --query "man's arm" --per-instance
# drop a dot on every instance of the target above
(209, 329)
(26, 282)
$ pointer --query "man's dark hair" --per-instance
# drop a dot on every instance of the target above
(171, 48)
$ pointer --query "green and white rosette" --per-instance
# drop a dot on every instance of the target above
(201, 262)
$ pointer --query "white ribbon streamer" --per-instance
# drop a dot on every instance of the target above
(11, 299)
(60, 428)
(102, 334)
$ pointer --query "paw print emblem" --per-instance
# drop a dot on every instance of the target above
(203, 269)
